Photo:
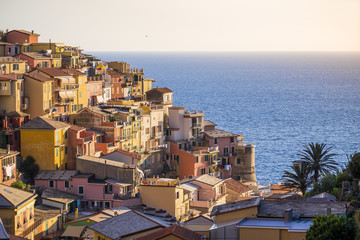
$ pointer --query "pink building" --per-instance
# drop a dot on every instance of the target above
(194, 162)
(81, 142)
(95, 193)
(94, 90)
(212, 191)
(36, 59)
(8, 49)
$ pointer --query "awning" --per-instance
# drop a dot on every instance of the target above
(63, 95)
(70, 94)
(74, 231)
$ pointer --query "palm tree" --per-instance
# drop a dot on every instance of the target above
(318, 159)
(300, 178)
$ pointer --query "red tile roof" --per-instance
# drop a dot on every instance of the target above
(53, 72)
(162, 90)
(130, 154)
(7, 77)
(75, 127)
(25, 32)
(236, 186)
(38, 77)
(73, 72)
(174, 230)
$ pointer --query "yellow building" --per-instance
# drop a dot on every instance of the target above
(131, 133)
(81, 94)
(173, 199)
(11, 92)
(46, 140)
(66, 90)
(17, 211)
(50, 220)
(148, 84)
(37, 47)
(38, 91)
(270, 229)
(12, 65)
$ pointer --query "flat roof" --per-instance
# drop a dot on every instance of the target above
(296, 225)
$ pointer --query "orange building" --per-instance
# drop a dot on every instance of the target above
(22, 36)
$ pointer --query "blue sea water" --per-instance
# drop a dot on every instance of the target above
(278, 101)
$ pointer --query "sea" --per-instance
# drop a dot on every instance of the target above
(277, 101)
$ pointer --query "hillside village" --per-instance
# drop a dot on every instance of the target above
(113, 158)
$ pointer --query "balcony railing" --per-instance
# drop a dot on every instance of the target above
(196, 125)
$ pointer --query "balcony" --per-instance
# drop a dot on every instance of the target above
(196, 125)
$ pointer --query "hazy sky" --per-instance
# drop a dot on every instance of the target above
(190, 25)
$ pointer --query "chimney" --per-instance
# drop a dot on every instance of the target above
(288, 215)
(32, 31)
(328, 211)
(8, 148)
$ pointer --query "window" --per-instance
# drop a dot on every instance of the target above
(51, 183)
(232, 150)
(38, 64)
(226, 151)
(197, 159)
(232, 139)
(206, 158)
(65, 150)
(177, 195)
(81, 190)
(80, 94)
(238, 160)
(107, 204)
(57, 64)
(57, 139)
(15, 67)
(49, 103)
(67, 184)
(180, 146)
(45, 88)
(57, 152)
(215, 141)
(66, 133)
(203, 171)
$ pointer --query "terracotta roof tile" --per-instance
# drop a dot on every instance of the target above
(53, 72)
(38, 77)
(174, 230)
(162, 90)
(44, 123)
(25, 32)
(236, 186)
(73, 72)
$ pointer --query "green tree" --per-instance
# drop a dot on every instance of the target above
(332, 228)
(20, 185)
(319, 159)
(2, 36)
(29, 168)
(2, 140)
(299, 178)
(353, 165)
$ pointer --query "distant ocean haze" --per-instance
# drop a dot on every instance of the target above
(278, 101)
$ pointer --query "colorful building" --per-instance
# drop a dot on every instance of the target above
(36, 59)
(8, 166)
(10, 65)
(8, 49)
(17, 211)
(65, 92)
(11, 94)
(173, 199)
(46, 140)
(212, 192)
(22, 36)
(38, 90)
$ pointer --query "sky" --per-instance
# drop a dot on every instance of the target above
(190, 25)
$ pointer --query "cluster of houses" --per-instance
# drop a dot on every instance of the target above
(118, 161)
